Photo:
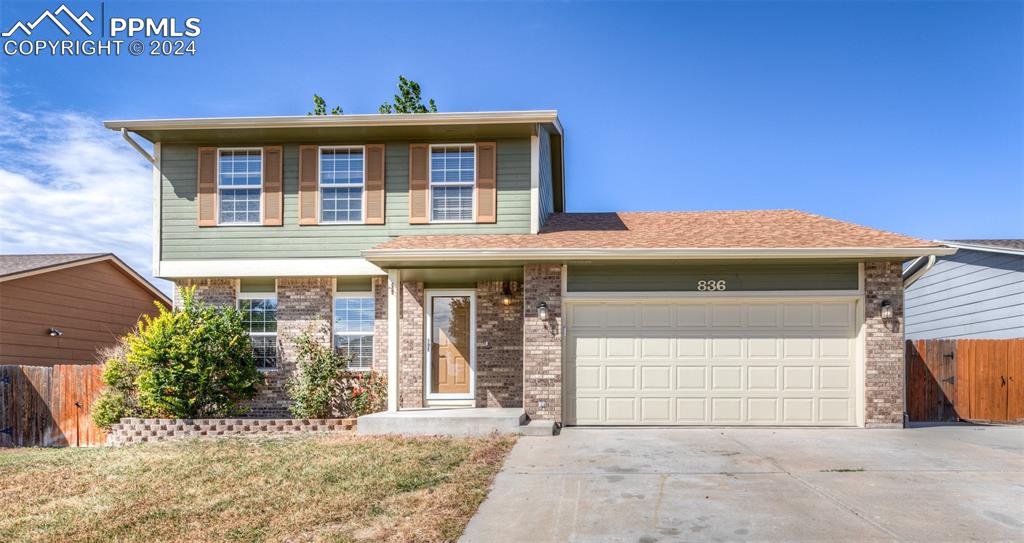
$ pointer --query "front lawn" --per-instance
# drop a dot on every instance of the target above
(338, 488)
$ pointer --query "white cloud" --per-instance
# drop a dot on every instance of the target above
(68, 185)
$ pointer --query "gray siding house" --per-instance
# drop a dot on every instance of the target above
(976, 293)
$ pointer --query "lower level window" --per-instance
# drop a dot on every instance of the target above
(259, 315)
(353, 328)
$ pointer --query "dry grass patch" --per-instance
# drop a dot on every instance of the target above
(341, 488)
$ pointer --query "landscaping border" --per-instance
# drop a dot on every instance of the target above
(138, 430)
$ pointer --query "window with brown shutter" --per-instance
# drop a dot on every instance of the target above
(206, 189)
(419, 180)
(273, 193)
(486, 182)
(308, 190)
(374, 184)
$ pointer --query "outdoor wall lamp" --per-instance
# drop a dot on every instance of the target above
(542, 311)
(506, 293)
(886, 312)
(53, 332)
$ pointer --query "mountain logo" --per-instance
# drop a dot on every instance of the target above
(27, 28)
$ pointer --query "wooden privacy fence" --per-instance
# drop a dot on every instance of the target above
(965, 379)
(49, 406)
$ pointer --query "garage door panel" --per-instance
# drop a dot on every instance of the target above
(730, 362)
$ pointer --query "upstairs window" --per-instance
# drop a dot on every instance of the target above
(353, 328)
(342, 174)
(259, 315)
(452, 178)
(239, 186)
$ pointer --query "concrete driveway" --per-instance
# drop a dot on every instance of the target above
(946, 483)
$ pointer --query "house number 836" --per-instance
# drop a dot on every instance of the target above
(711, 285)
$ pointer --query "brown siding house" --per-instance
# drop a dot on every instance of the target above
(62, 308)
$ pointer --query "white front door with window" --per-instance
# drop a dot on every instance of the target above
(450, 350)
(727, 362)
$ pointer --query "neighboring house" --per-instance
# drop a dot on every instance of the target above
(436, 248)
(62, 308)
(976, 293)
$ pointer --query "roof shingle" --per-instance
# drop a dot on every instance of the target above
(12, 264)
(676, 230)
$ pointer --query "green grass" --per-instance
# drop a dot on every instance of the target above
(339, 488)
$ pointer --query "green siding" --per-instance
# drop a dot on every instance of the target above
(181, 239)
(738, 277)
(547, 197)
(258, 284)
(353, 283)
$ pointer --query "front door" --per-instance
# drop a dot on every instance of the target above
(450, 345)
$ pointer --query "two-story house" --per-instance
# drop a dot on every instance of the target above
(436, 248)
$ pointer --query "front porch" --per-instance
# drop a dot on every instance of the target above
(451, 421)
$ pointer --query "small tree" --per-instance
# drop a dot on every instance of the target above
(320, 107)
(408, 99)
(316, 388)
(191, 362)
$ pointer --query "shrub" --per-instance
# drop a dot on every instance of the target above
(315, 389)
(323, 387)
(191, 362)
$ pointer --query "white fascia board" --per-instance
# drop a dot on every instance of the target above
(322, 121)
(294, 267)
(984, 248)
(407, 255)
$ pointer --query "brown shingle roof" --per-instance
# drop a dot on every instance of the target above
(1014, 244)
(676, 230)
(11, 264)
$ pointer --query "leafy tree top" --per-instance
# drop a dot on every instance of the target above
(408, 99)
(320, 107)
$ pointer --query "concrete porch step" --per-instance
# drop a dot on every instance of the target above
(454, 421)
(538, 428)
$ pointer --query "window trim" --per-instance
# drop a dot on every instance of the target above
(261, 296)
(319, 185)
(354, 294)
(217, 198)
(430, 183)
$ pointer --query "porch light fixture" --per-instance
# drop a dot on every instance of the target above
(53, 332)
(886, 307)
(542, 311)
(506, 294)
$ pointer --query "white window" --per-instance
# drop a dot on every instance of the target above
(239, 185)
(452, 178)
(353, 328)
(259, 315)
(342, 172)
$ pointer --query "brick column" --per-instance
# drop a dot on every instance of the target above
(884, 346)
(303, 304)
(218, 291)
(542, 342)
(380, 324)
(499, 347)
(410, 365)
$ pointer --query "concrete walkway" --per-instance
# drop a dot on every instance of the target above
(946, 483)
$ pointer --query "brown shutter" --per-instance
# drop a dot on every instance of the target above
(309, 180)
(206, 189)
(419, 181)
(374, 184)
(486, 182)
(273, 193)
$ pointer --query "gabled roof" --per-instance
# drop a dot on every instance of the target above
(1011, 246)
(697, 234)
(18, 266)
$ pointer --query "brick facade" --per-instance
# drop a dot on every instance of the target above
(542, 340)
(218, 292)
(499, 347)
(135, 430)
(410, 364)
(380, 325)
(883, 346)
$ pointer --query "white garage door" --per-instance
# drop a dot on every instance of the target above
(721, 363)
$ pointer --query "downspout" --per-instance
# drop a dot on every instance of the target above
(135, 144)
(914, 276)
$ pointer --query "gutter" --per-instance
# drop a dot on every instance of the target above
(916, 270)
(135, 144)
(412, 255)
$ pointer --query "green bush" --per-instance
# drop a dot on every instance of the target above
(315, 389)
(192, 362)
(323, 387)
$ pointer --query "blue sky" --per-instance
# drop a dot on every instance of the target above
(906, 116)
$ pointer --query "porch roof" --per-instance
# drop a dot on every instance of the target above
(698, 234)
